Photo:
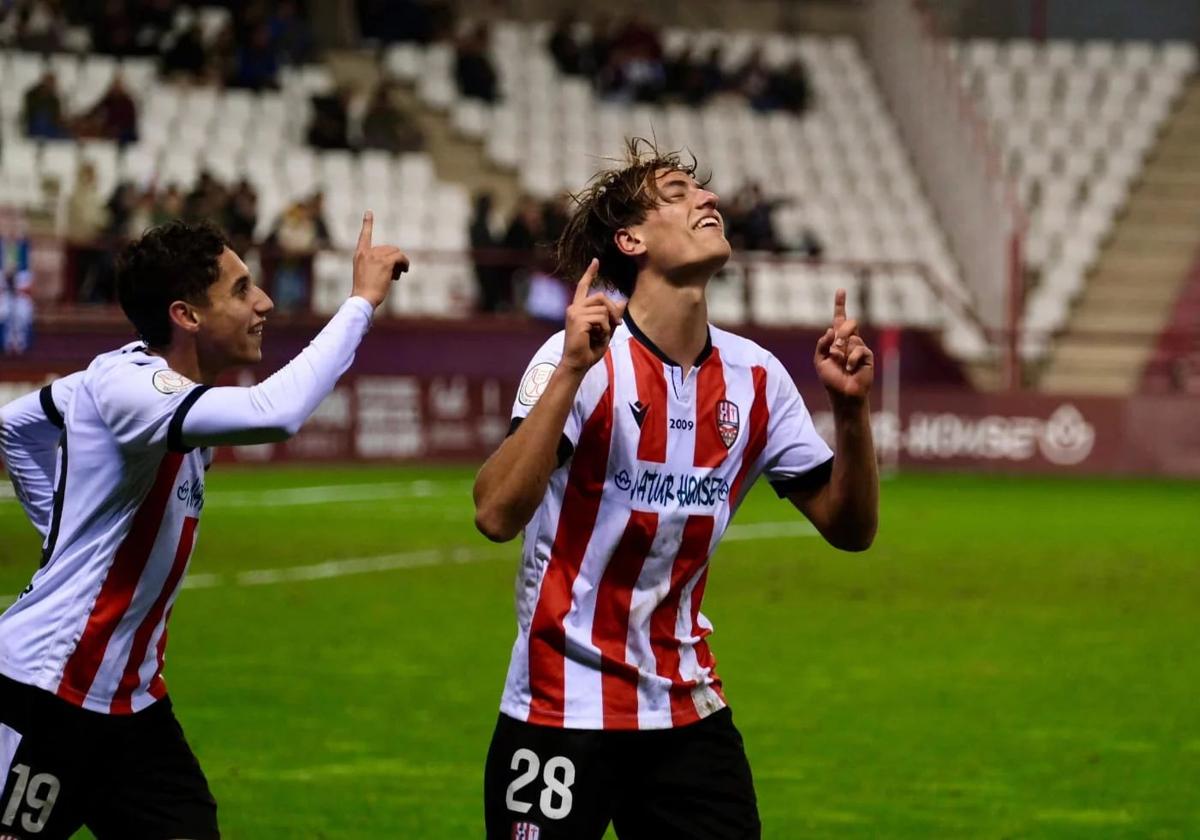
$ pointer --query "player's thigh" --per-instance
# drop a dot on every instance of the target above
(546, 783)
(43, 780)
(156, 789)
(693, 783)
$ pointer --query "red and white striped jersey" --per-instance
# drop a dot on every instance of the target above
(92, 625)
(610, 633)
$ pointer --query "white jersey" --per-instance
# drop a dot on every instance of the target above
(30, 431)
(129, 486)
(615, 559)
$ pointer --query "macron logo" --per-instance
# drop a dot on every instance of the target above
(639, 410)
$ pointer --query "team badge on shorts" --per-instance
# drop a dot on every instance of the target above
(525, 831)
(727, 422)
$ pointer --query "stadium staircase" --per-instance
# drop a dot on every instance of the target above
(1141, 272)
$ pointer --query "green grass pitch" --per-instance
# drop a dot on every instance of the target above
(1014, 657)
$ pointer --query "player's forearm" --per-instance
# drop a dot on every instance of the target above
(513, 481)
(851, 509)
(274, 409)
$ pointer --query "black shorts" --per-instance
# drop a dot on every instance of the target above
(693, 782)
(132, 777)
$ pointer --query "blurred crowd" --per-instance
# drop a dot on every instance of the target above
(94, 229)
(626, 62)
(112, 117)
(243, 47)
(380, 123)
(515, 260)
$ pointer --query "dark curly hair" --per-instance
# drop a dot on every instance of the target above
(174, 261)
(614, 199)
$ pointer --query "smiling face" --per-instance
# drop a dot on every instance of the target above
(230, 327)
(682, 237)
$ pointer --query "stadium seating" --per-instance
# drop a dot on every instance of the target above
(236, 134)
(1075, 123)
(840, 170)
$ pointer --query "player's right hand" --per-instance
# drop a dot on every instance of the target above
(591, 320)
(375, 266)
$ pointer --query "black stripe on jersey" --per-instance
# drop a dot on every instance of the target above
(46, 397)
(565, 448)
(60, 493)
(814, 479)
(175, 430)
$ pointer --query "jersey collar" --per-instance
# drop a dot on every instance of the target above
(641, 337)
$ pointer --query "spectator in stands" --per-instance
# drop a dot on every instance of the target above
(206, 201)
(87, 216)
(257, 64)
(38, 25)
(120, 208)
(754, 81)
(386, 127)
(143, 213)
(290, 34)
(112, 26)
(316, 211)
(241, 216)
(695, 80)
(114, 117)
(634, 70)
(472, 68)
(791, 88)
(491, 276)
(397, 20)
(43, 111)
(297, 236)
(184, 57)
(86, 220)
(564, 48)
(170, 205)
(750, 220)
(328, 129)
(556, 214)
(524, 240)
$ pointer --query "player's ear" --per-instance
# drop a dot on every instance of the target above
(184, 315)
(629, 242)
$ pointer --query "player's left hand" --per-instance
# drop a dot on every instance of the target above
(844, 362)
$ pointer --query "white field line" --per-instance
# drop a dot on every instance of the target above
(319, 494)
(431, 557)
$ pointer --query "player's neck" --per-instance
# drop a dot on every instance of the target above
(184, 359)
(674, 317)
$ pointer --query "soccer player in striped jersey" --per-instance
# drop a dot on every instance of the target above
(636, 433)
(87, 733)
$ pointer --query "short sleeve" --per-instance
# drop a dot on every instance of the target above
(533, 384)
(795, 456)
(144, 405)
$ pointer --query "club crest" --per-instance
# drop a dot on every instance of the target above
(525, 831)
(728, 422)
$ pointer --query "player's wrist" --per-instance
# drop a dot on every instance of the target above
(849, 408)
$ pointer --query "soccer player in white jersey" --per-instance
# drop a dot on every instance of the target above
(87, 733)
(636, 433)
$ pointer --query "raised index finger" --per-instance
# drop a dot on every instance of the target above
(839, 307)
(364, 235)
(585, 282)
